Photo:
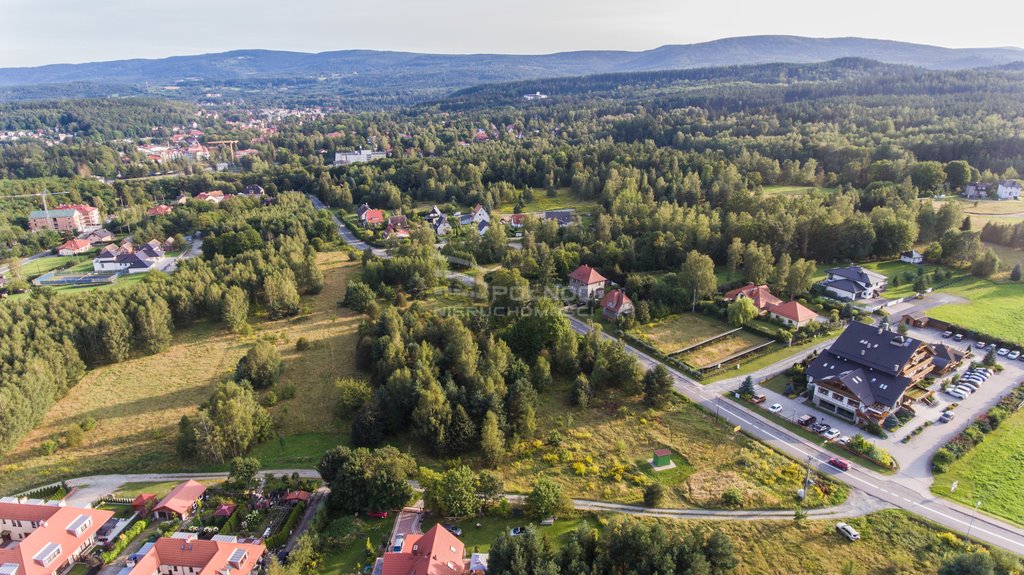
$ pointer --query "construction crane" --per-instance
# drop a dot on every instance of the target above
(46, 207)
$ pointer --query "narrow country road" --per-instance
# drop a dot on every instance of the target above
(898, 490)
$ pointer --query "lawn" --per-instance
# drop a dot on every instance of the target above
(793, 190)
(722, 348)
(120, 511)
(157, 488)
(995, 308)
(680, 331)
(563, 199)
(766, 360)
(137, 403)
(344, 543)
(478, 533)
(892, 268)
(601, 453)
(991, 473)
(40, 266)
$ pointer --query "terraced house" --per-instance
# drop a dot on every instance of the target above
(864, 376)
(39, 538)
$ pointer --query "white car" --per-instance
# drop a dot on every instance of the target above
(973, 386)
(844, 440)
(957, 394)
(1002, 351)
(847, 531)
(775, 408)
(831, 434)
(1013, 355)
(963, 389)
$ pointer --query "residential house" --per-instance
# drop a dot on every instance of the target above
(189, 555)
(1008, 190)
(372, 218)
(947, 358)
(864, 375)
(398, 221)
(362, 210)
(395, 232)
(436, 552)
(129, 260)
(562, 217)
(915, 319)
(853, 283)
(616, 304)
(977, 190)
(214, 196)
(516, 221)
(477, 215)
(441, 225)
(63, 220)
(586, 283)
(161, 210)
(434, 214)
(181, 502)
(482, 227)
(45, 539)
(759, 294)
(793, 314)
(89, 214)
(253, 190)
(73, 247)
(357, 157)
(912, 257)
(97, 236)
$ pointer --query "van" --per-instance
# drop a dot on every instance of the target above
(805, 420)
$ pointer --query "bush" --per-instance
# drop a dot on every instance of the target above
(123, 540)
(653, 495)
(280, 537)
(302, 344)
(353, 394)
(48, 447)
(875, 429)
(88, 424)
(285, 391)
(942, 459)
(260, 366)
(732, 498)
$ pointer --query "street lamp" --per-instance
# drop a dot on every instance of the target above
(975, 514)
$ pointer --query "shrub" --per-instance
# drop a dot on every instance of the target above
(285, 391)
(48, 447)
(123, 540)
(653, 495)
(302, 344)
(732, 498)
(88, 424)
(942, 459)
(353, 394)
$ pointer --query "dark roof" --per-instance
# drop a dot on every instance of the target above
(561, 216)
(132, 261)
(844, 285)
(873, 375)
(857, 274)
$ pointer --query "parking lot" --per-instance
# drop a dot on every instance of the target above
(914, 457)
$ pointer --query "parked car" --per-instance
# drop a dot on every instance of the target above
(456, 531)
(958, 337)
(517, 531)
(840, 464)
(990, 347)
(957, 394)
(946, 417)
(377, 514)
(1003, 352)
(396, 547)
(972, 376)
(759, 398)
(775, 408)
(832, 433)
(1013, 354)
(947, 334)
(820, 427)
(971, 385)
(844, 440)
(806, 420)
(847, 531)
(980, 345)
(963, 389)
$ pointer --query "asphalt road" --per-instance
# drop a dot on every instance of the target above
(7, 267)
(897, 490)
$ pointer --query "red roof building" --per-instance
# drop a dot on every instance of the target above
(760, 295)
(224, 510)
(793, 313)
(373, 217)
(517, 220)
(73, 247)
(586, 283)
(161, 210)
(90, 215)
(45, 539)
(143, 502)
(436, 552)
(192, 556)
(181, 502)
(297, 496)
(616, 304)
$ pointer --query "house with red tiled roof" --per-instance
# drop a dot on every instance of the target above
(143, 502)
(298, 495)
(372, 217)
(792, 313)
(45, 539)
(759, 294)
(161, 210)
(190, 555)
(436, 552)
(215, 196)
(516, 221)
(181, 502)
(586, 283)
(73, 247)
(395, 232)
(616, 304)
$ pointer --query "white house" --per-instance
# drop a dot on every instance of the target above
(357, 157)
(586, 283)
(1009, 190)
(854, 283)
(911, 257)
(479, 214)
(441, 225)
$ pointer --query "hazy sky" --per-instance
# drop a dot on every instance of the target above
(34, 32)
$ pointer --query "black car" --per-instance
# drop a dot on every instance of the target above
(456, 531)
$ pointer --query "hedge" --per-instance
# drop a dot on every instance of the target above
(123, 540)
(975, 433)
(281, 536)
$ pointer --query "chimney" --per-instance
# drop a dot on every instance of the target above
(862, 352)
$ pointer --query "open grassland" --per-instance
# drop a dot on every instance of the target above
(137, 403)
(157, 488)
(680, 331)
(601, 452)
(720, 349)
(564, 199)
(793, 190)
(992, 472)
(994, 308)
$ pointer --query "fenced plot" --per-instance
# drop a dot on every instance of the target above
(70, 279)
(724, 349)
(681, 332)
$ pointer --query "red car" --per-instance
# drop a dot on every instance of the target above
(377, 514)
(840, 464)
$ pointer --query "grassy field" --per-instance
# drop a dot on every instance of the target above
(541, 202)
(995, 308)
(793, 190)
(601, 453)
(478, 533)
(765, 360)
(345, 543)
(137, 403)
(680, 331)
(40, 266)
(722, 348)
(991, 473)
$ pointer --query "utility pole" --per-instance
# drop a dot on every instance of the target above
(975, 514)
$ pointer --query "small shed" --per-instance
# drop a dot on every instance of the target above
(915, 319)
(143, 503)
(662, 457)
(224, 510)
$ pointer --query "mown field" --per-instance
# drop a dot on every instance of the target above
(994, 308)
(793, 190)
(137, 403)
(992, 473)
(564, 199)
(680, 331)
(720, 349)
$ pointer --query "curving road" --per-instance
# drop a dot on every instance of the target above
(897, 490)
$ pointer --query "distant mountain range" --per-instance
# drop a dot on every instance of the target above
(365, 69)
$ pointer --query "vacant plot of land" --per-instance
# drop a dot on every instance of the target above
(722, 348)
(995, 308)
(793, 190)
(991, 473)
(601, 453)
(564, 199)
(681, 331)
(137, 403)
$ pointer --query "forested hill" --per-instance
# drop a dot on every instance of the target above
(315, 78)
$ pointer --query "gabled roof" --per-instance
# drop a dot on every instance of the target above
(373, 216)
(615, 300)
(844, 285)
(436, 552)
(911, 254)
(224, 510)
(74, 245)
(207, 557)
(793, 310)
(161, 210)
(760, 294)
(587, 275)
(298, 495)
(61, 529)
(181, 498)
(1010, 184)
(857, 274)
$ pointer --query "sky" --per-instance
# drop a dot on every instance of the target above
(37, 32)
